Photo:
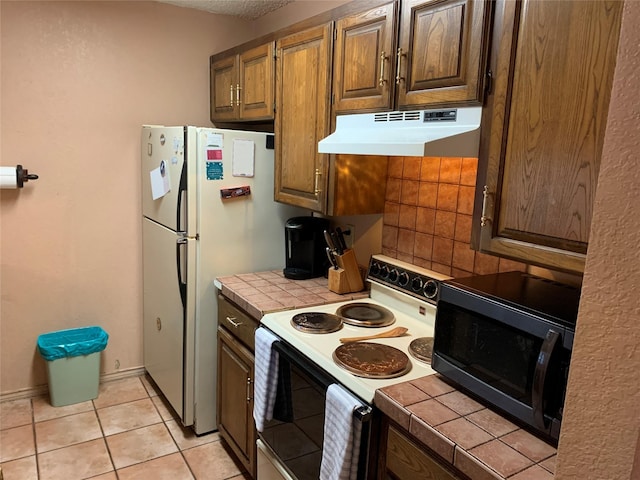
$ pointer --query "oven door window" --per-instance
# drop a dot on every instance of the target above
(296, 432)
(497, 354)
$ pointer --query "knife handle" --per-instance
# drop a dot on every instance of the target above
(341, 241)
(329, 240)
(336, 244)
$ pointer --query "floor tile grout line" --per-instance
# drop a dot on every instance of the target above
(35, 440)
(104, 438)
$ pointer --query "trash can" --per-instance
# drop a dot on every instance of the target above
(73, 363)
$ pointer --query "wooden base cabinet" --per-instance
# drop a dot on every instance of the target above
(543, 129)
(235, 382)
(404, 459)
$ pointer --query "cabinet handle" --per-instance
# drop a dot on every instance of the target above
(249, 389)
(398, 66)
(316, 190)
(485, 219)
(383, 58)
(231, 94)
(232, 322)
(238, 88)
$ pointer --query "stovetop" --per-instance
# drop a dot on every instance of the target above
(400, 287)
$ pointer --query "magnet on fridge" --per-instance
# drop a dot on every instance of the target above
(163, 168)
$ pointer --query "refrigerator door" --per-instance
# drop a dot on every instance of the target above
(169, 313)
(237, 235)
(166, 176)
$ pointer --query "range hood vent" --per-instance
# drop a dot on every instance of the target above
(452, 132)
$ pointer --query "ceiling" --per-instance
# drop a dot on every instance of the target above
(247, 9)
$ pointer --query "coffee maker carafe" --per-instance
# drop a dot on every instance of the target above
(306, 255)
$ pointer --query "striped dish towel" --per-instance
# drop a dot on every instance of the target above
(266, 377)
(341, 447)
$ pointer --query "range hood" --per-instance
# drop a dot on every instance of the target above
(450, 132)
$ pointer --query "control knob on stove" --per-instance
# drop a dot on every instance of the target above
(384, 271)
(393, 275)
(416, 284)
(403, 280)
(375, 268)
(430, 289)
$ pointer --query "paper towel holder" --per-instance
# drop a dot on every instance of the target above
(15, 177)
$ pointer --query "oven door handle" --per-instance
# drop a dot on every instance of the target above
(540, 376)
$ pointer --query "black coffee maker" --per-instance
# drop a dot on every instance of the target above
(306, 255)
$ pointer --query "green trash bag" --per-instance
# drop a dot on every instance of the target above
(72, 343)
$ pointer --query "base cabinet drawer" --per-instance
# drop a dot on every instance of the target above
(406, 461)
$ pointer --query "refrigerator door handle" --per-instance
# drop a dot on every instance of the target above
(182, 285)
(182, 191)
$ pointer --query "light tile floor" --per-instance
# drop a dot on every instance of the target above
(129, 432)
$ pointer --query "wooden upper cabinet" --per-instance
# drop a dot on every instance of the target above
(543, 129)
(303, 83)
(432, 54)
(242, 86)
(441, 52)
(363, 60)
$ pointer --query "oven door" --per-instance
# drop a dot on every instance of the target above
(515, 361)
(295, 436)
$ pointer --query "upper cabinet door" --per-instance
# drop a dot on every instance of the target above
(441, 56)
(257, 83)
(543, 129)
(364, 52)
(242, 86)
(303, 83)
(223, 81)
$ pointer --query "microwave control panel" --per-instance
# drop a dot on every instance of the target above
(407, 278)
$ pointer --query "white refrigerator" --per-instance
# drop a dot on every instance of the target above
(208, 211)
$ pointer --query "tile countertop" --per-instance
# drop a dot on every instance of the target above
(265, 292)
(477, 441)
(474, 439)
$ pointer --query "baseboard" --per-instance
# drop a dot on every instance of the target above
(44, 389)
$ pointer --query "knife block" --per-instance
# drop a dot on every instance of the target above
(346, 278)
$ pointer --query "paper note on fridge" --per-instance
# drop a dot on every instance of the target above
(243, 158)
(160, 184)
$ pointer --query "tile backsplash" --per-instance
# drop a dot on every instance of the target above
(428, 214)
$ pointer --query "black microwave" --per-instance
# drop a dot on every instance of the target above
(507, 338)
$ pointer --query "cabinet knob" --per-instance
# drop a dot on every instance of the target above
(231, 94)
(238, 88)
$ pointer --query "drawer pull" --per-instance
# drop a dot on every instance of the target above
(232, 321)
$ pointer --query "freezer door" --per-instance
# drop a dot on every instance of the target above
(168, 315)
(164, 162)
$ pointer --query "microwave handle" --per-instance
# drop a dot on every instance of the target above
(540, 375)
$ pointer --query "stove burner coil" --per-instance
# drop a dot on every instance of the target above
(316, 322)
(361, 314)
(372, 360)
(422, 349)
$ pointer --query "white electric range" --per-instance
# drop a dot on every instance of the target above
(408, 291)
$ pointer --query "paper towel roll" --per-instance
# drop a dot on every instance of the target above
(8, 177)
(15, 177)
